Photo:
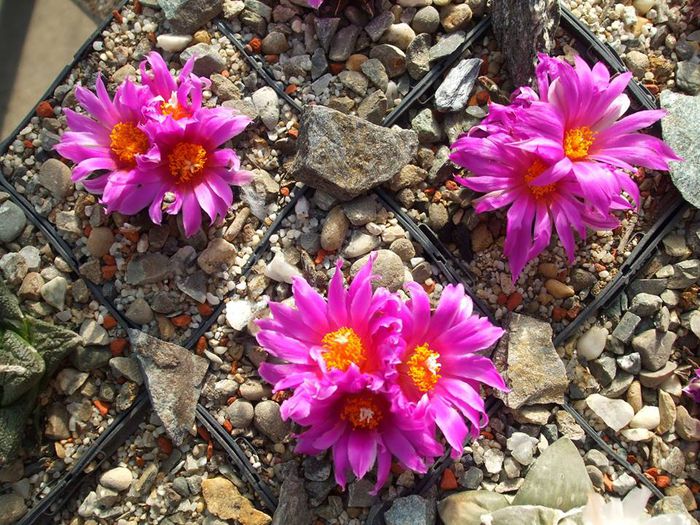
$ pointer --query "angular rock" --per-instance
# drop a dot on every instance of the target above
(148, 268)
(207, 59)
(186, 16)
(56, 177)
(453, 93)
(293, 506)
(346, 156)
(411, 509)
(225, 501)
(174, 378)
(523, 28)
(655, 347)
(393, 59)
(387, 266)
(218, 253)
(678, 132)
(615, 413)
(418, 56)
(558, 479)
(535, 373)
(12, 221)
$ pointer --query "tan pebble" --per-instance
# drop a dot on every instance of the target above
(634, 396)
(667, 411)
(354, 62)
(548, 270)
(558, 289)
(481, 238)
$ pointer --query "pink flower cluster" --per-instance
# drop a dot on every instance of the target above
(563, 157)
(693, 387)
(373, 376)
(155, 146)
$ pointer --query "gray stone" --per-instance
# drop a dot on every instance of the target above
(126, 367)
(523, 28)
(293, 505)
(645, 305)
(207, 59)
(630, 363)
(224, 88)
(12, 221)
(274, 43)
(582, 280)
(687, 427)
(359, 494)
(615, 413)
(393, 59)
(535, 373)
(387, 266)
(427, 20)
(688, 77)
(354, 81)
(447, 45)
(603, 369)
(592, 343)
(466, 508)
(672, 505)
(90, 358)
(626, 327)
(56, 177)
(269, 421)
(325, 30)
(471, 478)
(148, 268)
(453, 93)
(404, 249)
(240, 413)
(343, 43)
(411, 509)
(360, 244)
(426, 127)
(195, 286)
(362, 210)
(186, 16)
(319, 64)
(316, 469)
(655, 347)
(117, 479)
(522, 447)
(54, 292)
(376, 73)
(13, 508)
(525, 515)
(650, 286)
(93, 334)
(623, 484)
(558, 479)
(376, 27)
(218, 254)
(253, 390)
(680, 134)
(139, 312)
(266, 104)
(418, 56)
(346, 156)
(174, 379)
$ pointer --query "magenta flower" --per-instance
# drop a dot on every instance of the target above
(109, 139)
(693, 387)
(359, 425)
(315, 3)
(355, 329)
(185, 162)
(177, 98)
(440, 371)
(510, 176)
(576, 126)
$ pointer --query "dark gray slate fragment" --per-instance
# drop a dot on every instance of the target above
(411, 509)
(680, 131)
(186, 16)
(293, 507)
(174, 379)
(625, 328)
(655, 347)
(346, 156)
(523, 28)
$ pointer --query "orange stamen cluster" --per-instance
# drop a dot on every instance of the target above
(578, 141)
(343, 348)
(126, 141)
(362, 411)
(534, 171)
(175, 110)
(424, 368)
(186, 161)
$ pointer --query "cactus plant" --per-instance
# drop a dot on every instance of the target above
(30, 351)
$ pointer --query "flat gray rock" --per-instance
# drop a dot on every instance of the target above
(535, 373)
(558, 479)
(174, 377)
(346, 156)
(453, 93)
(680, 131)
(186, 16)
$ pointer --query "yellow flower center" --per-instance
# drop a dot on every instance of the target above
(343, 348)
(173, 109)
(534, 171)
(424, 368)
(578, 141)
(126, 141)
(362, 411)
(186, 161)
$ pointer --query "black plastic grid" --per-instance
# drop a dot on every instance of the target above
(451, 268)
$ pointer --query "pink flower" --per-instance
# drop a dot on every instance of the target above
(440, 370)
(576, 126)
(693, 388)
(315, 3)
(355, 329)
(509, 176)
(177, 98)
(109, 139)
(185, 161)
(357, 422)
